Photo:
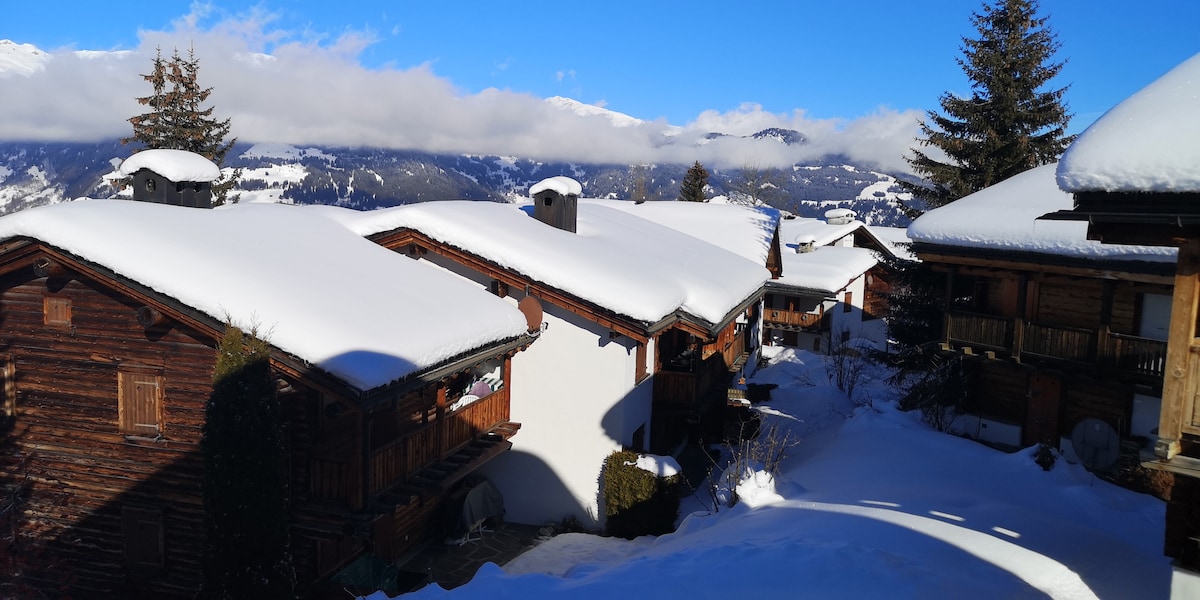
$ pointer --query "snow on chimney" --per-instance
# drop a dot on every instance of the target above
(556, 202)
(840, 216)
(805, 243)
(171, 177)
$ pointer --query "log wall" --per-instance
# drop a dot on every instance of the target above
(84, 471)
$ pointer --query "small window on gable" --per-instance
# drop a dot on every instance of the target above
(139, 405)
(142, 529)
(56, 311)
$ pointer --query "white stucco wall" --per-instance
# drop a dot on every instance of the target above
(573, 393)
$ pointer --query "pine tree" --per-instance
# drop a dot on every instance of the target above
(929, 380)
(1007, 125)
(692, 188)
(177, 118)
(246, 547)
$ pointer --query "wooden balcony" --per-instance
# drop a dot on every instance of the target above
(1096, 347)
(792, 319)
(691, 389)
(435, 442)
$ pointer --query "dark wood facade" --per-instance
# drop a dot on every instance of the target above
(1048, 345)
(106, 383)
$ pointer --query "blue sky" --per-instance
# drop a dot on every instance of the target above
(698, 62)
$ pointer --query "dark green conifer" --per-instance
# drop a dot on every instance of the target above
(692, 188)
(177, 118)
(1009, 123)
(246, 547)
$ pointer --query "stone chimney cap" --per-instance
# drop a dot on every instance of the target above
(565, 186)
(176, 165)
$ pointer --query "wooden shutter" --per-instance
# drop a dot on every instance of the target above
(8, 403)
(848, 303)
(640, 358)
(56, 311)
(143, 532)
(140, 404)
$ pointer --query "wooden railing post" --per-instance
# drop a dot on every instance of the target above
(1018, 337)
(440, 422)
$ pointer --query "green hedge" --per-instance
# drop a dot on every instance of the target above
(636, 502)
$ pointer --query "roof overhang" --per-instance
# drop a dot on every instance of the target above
(1139, 218)
(1132, 270)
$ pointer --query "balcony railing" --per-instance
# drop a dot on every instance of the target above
(433, 442)
(979, 330)
(1128, 353)
(791, 318)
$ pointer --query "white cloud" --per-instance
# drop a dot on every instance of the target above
(309, 88)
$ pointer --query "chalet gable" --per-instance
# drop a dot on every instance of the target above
(618, 268)
(433, 318)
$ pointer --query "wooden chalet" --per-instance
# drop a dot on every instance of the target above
(646, 326)
(1135, 177)
(110, 312)
(1052, 329)
(831, 287)
(692, 360)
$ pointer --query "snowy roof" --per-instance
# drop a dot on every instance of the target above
(743, 230)
(563, 185)
(820, 232)
(626, 264)
(826, 269)
(1148, 142)
(895, 239)
(176, 165)
(1004, 217)
(328, 303)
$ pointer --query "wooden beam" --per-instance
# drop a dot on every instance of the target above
(1179, 382)
(936, 258)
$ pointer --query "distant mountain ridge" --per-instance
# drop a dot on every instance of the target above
(35, 173)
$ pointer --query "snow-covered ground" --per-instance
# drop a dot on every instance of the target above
(872, 503)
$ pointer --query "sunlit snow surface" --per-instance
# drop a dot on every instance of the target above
(1150, 142)
(871, 504)
(1005, 217)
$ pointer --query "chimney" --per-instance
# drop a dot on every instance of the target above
(174, 177)
(556, 202)
(840, 216)
(805, 243)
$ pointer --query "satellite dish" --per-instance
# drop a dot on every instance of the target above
(1096, 443)
(532, 309)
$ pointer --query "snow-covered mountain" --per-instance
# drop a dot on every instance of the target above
(41, 173)
(20, 59)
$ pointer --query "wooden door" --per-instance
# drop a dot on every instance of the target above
(1041, 412)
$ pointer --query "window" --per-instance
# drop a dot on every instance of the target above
(143, 532)
(56, 311)
(848, 303)
(139, 406)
